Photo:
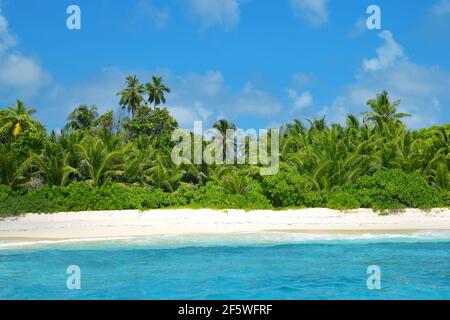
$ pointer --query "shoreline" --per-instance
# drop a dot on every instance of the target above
(184, 222)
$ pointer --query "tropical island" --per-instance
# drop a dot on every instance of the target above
(105, 163)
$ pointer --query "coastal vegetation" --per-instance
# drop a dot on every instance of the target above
(106, 162)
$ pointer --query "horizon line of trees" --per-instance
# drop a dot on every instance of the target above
(97, 149)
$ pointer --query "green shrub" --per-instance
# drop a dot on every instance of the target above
(290, 189)
(385, 190)
(342, 200)
(184, 195)
(29, 203)
(79, 197)
(5, 192)
(153, 199)
(388, 189)
(215, 196)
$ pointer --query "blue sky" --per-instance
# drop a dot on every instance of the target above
(259, 63)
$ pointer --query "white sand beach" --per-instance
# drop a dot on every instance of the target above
(88, 225)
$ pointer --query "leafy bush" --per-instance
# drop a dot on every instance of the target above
(79, 197)
(387, 189)
(342, 200)
(30, 203)
(289, 189)
(153, 198)
(215, 196)
(184, 195)
(5, 193)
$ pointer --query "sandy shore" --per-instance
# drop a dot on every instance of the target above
(85, 225)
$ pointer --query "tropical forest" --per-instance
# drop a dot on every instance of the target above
(106, 162)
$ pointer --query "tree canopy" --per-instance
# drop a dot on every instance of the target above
(377, 162)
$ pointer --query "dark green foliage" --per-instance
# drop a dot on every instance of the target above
(5, 193)
(342, 200)
(99, 163)
(289, 189)
(79, 197)
(155, 123)
(82, 118)
(184, 195)
(388, 189)
(215, 196)
(33, 203)
(113, 196)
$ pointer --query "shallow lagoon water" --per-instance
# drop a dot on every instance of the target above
(246, 266)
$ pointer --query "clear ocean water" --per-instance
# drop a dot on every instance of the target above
(289, 266)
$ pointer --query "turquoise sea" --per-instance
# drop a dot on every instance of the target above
(263, 266)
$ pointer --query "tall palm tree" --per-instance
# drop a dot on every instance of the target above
(82, 118)
(156, 91)
(222, 126)
(131, 97)
(15, 119)
(383, 110)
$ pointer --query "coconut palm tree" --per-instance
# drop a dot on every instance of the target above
(139, 161)
(82, 118)
(383, 110)
(8, 165)
(15, 119)
(317, 124)
(295, 129)
(165, 174)
(52, 164)
(131, 97)
(156, 91)
(222, 126)
(237, 181)
(97, 162)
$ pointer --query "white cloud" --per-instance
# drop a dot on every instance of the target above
(441, 7)
(17, 70)
(423, 90)
(207, 96)
(194, 96)
(55, 103)
(359, 27)
(387, 54)
(208, 85)
(302, 79)
(300, 101)
(314, 11)
(254, 102)
(222, 13)
(157, 16)
(20, 75)
(7, 40)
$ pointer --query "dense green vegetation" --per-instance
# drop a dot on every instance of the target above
(101, 163)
